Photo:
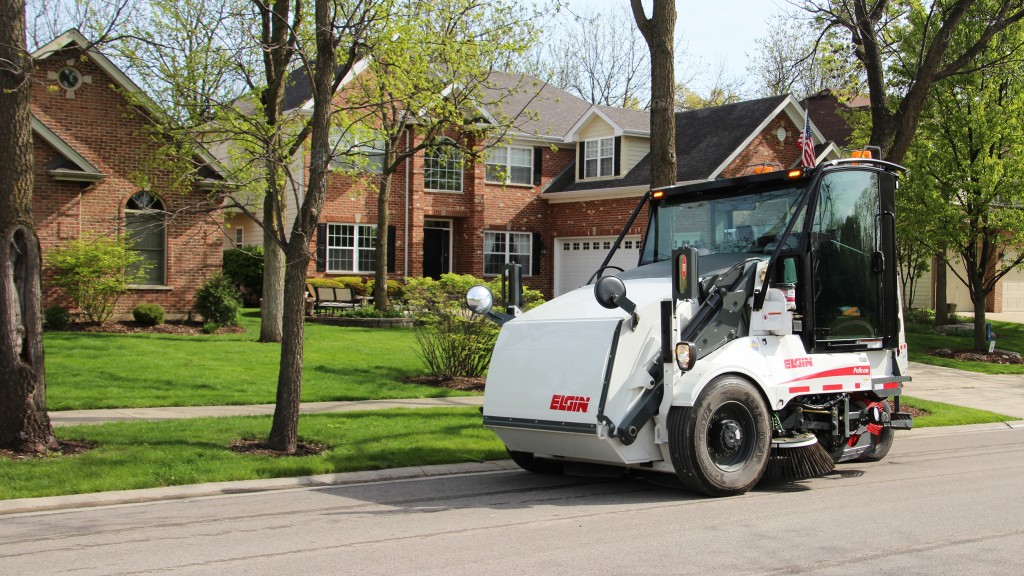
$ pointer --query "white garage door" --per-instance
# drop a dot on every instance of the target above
(577, 259)
(1013, 289)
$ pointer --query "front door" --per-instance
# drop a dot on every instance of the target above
(437, 241)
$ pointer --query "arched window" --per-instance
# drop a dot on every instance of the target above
(146, 227)
(443, 167)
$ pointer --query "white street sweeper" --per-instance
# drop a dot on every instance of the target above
(760, 335)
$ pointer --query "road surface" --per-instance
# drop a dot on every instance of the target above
(939, 504)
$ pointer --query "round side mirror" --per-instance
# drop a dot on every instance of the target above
(608, 290)
(479, 299)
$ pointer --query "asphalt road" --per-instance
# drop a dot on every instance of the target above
(940, 503)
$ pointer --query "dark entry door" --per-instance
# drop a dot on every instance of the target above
(436, 251)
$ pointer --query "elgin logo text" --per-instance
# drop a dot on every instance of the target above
(791, 363)
(570, 403)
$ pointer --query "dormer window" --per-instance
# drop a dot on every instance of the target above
(599, 157)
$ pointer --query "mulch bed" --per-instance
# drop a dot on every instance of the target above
(66, 448)
(132, 327)
(260, 448)
(997, 357)
(454, 383)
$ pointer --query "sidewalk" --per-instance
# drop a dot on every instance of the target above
(1003, 394)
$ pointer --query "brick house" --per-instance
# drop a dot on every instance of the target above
(552, 195)
(97, 173)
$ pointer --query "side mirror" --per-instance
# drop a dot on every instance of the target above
(479, 299)
(610, 292)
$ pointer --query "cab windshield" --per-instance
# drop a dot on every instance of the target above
(723, 222)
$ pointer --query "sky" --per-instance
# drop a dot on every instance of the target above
(713, 31)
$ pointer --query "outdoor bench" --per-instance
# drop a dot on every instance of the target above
(326, 300)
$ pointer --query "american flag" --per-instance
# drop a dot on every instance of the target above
(806, 143)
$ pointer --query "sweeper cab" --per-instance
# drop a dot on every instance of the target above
(761, 335)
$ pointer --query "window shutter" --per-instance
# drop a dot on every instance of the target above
(321, 247)
(538, 159)
(538, 247)
(391, 248)
(618, 155)
(582, 159)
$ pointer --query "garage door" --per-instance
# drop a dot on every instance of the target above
(1013, 289)
(577, 259)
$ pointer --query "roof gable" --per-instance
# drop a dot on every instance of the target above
(75, 167)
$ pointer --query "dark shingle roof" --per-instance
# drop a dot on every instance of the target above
(533, 106)
(705, 138)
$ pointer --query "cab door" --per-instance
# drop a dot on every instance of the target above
(852, 260)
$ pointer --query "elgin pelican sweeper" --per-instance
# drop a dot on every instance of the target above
(761, 335)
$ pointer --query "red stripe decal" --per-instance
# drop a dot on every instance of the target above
(830, 387)
(890, 385)
(848, 371)
(799, 389)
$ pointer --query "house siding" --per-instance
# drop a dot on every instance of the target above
(104, 128)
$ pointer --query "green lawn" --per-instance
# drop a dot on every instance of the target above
(942, 414)
(96, 370)
(922, 340)
(133, 455)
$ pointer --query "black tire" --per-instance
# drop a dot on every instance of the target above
(720, 446)
(880, 447)
(528, 462)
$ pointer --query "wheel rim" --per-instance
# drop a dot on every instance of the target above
(731, 436)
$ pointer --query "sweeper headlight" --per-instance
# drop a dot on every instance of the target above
(479, 299)
(686, 355)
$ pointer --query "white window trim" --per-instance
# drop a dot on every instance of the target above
(357, 235)
(527, 270)
(239, 237)
(507, 166)
(163, 225)
(461, 170)
(595, 145)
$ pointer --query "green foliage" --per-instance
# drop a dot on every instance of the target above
(211, 327)
(57, 318)
(218, 301)
(396, 290)
(244, 267)
(94, 273)
(371, 312)
(452, 341)
(148, 314)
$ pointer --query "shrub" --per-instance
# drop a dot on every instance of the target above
(210, 327)
(57, 318)
(148, 314)
(218, 301)
(95, 273)
(451, 340)
(244, 267)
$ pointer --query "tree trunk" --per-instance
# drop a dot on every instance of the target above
(24, 423)
(285, 429)
(980, 343)
(941, 309)
(272, 305)
(380, 275)
(659, 32)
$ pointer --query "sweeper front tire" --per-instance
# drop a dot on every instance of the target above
(720, 446)
(527, 461)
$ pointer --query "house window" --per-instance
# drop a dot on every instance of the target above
(510, 165)
(351, 247)
(239, 238)
(600, 158)
(351, 153)
(443, 167)
(501, 248)
(146, 231)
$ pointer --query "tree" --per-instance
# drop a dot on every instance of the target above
(972, 140)
(24, 423)
(793, 57)
(425, 88)
(659, 33)
(914, 41)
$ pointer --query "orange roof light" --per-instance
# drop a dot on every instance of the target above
(861, 154)
(658, 194)
(795, 173)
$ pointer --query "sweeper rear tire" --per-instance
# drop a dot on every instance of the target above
(528, 462)
(720, 446)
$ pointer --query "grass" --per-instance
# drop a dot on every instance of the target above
(98, 370)
(132, 455)
(941, 414)
(922, 339)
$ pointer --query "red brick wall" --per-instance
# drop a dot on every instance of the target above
(101, 126)
(765, 147)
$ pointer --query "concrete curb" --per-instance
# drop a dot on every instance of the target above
(119, 497)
